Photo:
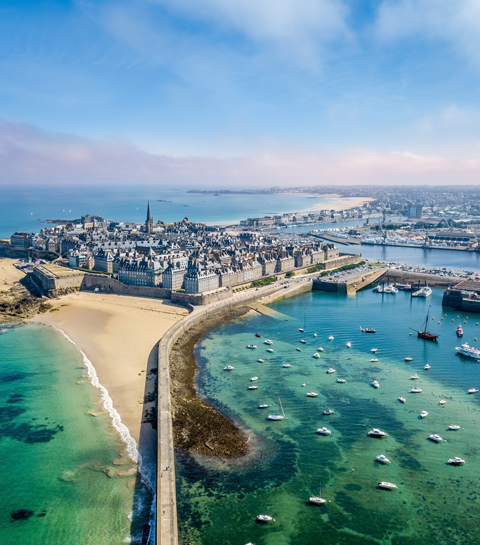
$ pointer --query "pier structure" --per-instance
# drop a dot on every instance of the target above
(166, 516)
(349, 284)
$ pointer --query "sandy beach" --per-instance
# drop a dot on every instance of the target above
(339, 203)
(118, 334)
(9, 274)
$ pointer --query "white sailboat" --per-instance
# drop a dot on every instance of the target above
(277, 416)
(317, 500)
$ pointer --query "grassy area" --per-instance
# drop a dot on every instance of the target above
(290, 274)
(263, 281)
(60, 264)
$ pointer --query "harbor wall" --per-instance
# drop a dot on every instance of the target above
(166, 515)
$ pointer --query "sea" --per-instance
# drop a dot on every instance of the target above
(65, 476)
(28, 208)
(289, 462)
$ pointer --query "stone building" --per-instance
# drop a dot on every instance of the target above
(173, 275)
(198, 279)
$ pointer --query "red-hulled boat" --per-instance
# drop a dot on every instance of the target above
(459, 331)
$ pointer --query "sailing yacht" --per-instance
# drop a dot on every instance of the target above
(323, 431)
(426, 334)
(277, 416)
(383, 459)
(330, 371)
(316, 356)
(318, 500)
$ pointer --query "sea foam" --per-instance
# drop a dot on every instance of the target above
(131, 444)
(147, 470)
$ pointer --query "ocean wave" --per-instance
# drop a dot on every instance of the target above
(147, 468)
(131, 444)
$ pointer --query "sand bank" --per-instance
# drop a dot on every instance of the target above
(118, 334)
(9, 274)
(340, 203)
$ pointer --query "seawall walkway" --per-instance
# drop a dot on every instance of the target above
(166, 520)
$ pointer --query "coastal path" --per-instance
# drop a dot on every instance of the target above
(166, 516)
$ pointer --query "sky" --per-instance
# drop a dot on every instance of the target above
(240, 92)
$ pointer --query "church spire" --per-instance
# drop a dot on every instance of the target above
(149, 222)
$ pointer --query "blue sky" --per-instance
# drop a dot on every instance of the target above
(241, 92)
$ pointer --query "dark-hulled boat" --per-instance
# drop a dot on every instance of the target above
(426, 334)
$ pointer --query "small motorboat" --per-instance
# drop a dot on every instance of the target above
(377, 433)
(303, 341)
(375, 384)
(253, 387)
(320, 349)
(456, 461)
(263, 406)
(423, 414)
(312, 394)
(264, 518)
(459, 331)
(454, 427)
(258, 335)
(374, 360)
(373, 350)
(342, 380)
(472, 391)
(260, 360)
(367, 329)
(323, 431)
(331, 337)
(427, 367)
(271, 350)
(315, 335)
(298, 349)
(287, 365)
(229, 368)
(301, 330)
(253, 379)
(435, 438)
(387, 486)
(268, 341)
(442, 402)
(416, 391)
(252, 346)
(408, 359)
(414, 377)
(349, 345)
(316, 356)
(383, 459)
(402, 399)
(328, 411)
(330, 371)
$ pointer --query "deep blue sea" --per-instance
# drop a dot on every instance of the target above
(27, 209)
(434, 502)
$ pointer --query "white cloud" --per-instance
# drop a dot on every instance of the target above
(453, 21)
(31, 156)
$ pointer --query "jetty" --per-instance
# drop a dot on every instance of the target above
(166, 504)
(348, 284)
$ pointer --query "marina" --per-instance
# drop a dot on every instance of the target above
(287, 457)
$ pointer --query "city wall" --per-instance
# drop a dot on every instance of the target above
(166, 521)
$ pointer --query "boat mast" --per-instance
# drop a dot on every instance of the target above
(283, 412)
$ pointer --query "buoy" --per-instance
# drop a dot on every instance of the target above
(453, 320)
(475, 339)
(445, 314)
(458, 316)
(441, 319)
(410, 333)
(438, 322)
(476, 323)
(464, 321)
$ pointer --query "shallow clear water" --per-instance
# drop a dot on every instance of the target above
(434, 502)
(57, 460)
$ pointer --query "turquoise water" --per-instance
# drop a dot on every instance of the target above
(58, 478)
(434, 503)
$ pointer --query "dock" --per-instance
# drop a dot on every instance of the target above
(349, 284)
